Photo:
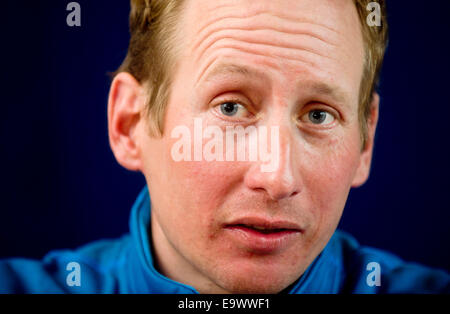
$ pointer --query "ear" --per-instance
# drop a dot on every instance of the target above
(362, 173)
(125, 102)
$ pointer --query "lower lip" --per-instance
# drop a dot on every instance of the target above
(262, 243)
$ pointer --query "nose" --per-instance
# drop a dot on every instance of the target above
(283, 180)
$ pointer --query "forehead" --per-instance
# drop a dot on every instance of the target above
(289, 40)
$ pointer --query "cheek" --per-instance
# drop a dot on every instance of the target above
(195, 190)
(198, 184)
(327, 176)
(203, 184)
(332, 175)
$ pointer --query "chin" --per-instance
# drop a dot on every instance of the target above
(251, 287)
(246, 281)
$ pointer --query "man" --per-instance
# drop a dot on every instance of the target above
(204, 83)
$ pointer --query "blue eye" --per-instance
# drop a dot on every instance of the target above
(233, 110)
(317, 116)
(229, 108)
(320, 116)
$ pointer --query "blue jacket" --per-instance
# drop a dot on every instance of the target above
(125, 265)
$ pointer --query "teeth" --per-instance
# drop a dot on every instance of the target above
(258, 228)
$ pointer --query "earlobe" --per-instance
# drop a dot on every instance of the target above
(362, 173)
(125, 103)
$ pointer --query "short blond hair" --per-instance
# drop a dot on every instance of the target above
(375, 40)
(150, 57)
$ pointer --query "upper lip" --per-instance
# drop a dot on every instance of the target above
(264, 223)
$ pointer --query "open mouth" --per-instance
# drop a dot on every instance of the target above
(263, 237)
(261, 229)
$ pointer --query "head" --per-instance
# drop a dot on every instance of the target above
(307, 68)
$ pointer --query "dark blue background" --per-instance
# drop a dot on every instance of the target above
(60, 184)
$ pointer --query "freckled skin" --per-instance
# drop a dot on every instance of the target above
(293, 43)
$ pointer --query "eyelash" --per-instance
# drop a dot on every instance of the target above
(222, 116)
(307, 113)
(217, 105)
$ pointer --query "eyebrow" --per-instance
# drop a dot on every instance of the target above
(319, 88)
(330, 91)
(230, 69)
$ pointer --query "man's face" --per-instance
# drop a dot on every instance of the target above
(292, 65)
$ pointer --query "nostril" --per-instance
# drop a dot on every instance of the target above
(278, 185)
